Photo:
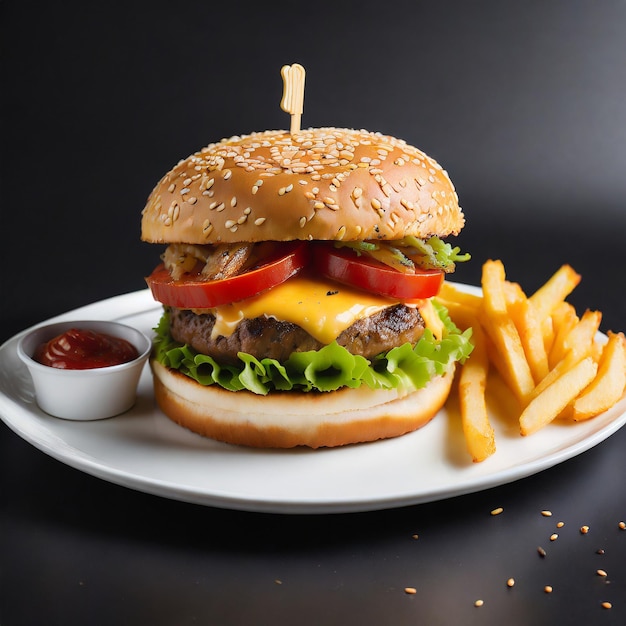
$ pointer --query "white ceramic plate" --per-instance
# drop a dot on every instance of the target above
(143, 450)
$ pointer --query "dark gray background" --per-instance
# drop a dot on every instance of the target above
(522, 102)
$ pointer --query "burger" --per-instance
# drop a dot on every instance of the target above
(298, 283)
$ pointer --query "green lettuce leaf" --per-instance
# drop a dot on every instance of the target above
(328, 369)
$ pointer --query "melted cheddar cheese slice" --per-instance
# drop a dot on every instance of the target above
(323, 308)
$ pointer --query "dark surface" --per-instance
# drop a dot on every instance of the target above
(523, 104)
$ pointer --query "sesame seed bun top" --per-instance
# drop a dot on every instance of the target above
(321, 183)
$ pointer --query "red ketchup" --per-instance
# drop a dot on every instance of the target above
(78, 349)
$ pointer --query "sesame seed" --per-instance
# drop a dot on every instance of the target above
(478, 603)
(376, 204)
(207, 227)
(541, 551)
(600, 551)
(319, 205)
(410, 590)
(229, 223)
(387, 189)
(606, 605)
(601, 572)
(259, 220)
(184, 191)
(171, 188)
(553, 537)
(560, 524)
(187, 182)
(546, 513)
(227, 174)
(302, 222)
(584, 530)
(357, 192)
(341, 233)
(192, 199)
(622, 525)
(497, 511)
(416, 536)
(510, 582)
(548, 589)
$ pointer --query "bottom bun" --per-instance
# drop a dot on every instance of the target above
(288, 419)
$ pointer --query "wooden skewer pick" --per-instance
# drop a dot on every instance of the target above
(293, 94)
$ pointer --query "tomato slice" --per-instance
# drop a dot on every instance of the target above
(346, 267)
(192, 293)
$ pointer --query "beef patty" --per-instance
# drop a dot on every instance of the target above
(267, 337)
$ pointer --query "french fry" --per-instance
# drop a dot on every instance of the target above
(546, 406)
(532, 338)
(479, 434)
(549, 358)
(502, 330)
(562, 367)
(547, 332)
(608, 385)
(550, 295)
(462, 316)
(577, 344)
(564, 319)
(513, 294)
(584, 332)
(555, 290)
(529, 328)
(450, 293)
(497, 360)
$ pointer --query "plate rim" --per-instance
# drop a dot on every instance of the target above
(140, 302)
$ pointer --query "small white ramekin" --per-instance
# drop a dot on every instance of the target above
(89, 394)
